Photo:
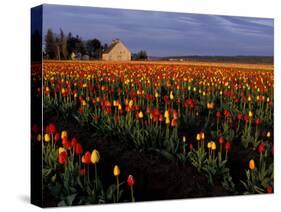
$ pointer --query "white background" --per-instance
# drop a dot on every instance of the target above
(15, 102)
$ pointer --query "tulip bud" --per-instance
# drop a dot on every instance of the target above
(198, 136)
(261, 148)
(221, 140)
(61, 149)
(167, 121)
(250, 114)
(52, 128)
(269, 189)
(213, 146)
(39, 137)
(140, 115)
(174, 123)
(202, 135)
(86, 158)
(47, 137)
(78, 149)
(116, 171)
(62, 158)
(130, 181)
(227, 147)
(95, 156)
(171, 95)
(63, 134)
(183, 139)
(57, 137)
(252, 165)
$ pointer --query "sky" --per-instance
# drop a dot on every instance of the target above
(165, 33)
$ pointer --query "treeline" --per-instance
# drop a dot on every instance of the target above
(59, 46)
(226, 59)
(62, 47)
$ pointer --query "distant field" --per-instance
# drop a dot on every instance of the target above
(196, 63)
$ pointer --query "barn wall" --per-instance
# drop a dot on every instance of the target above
(119, 53)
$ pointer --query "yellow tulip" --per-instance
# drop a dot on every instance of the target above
(202, 135)
(250, 114)
(47, 137)
(95, 156)
(249, 99)
(268, 134)
(171, 95)
(167, 121)
(252, 165)
(156, 95)
(198, 137)
(116, 171)
(61, 149)
(84, 103)
(183, 139)
(166, 114)
(131, 103)
(210, 105)
(209, 145)
(63, 134)
(140, 115)
(213, 146)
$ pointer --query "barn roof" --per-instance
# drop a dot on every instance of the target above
(110, 47)
(113, 44)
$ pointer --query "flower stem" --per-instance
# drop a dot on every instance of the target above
(117, 189)
(132, 194)
(96, 176)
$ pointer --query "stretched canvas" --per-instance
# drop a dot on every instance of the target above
(131, 105)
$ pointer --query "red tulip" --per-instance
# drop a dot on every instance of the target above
(82, 172)
(66, 143)
(239, 116)
(130, 181)
(57, 137)
(218, 114)
(269, 189)
(62, 158)
(227, 147)
(52, 128)
(174, 123)
(86, 158)
(73, 143)
(221, 140)
(78, 149)
(261, 148)
(258, 121)
(190, 147)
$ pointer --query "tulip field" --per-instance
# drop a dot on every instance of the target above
(141, 131)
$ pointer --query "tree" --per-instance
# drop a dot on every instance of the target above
(75, 45)
(141, 55)
(105, 47)
(63, 44)
(94, 48)
(50, 48)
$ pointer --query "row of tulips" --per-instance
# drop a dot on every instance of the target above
(66, 170)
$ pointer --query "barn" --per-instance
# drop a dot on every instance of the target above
(117, 51)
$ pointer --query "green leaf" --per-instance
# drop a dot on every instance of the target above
(70, 199)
